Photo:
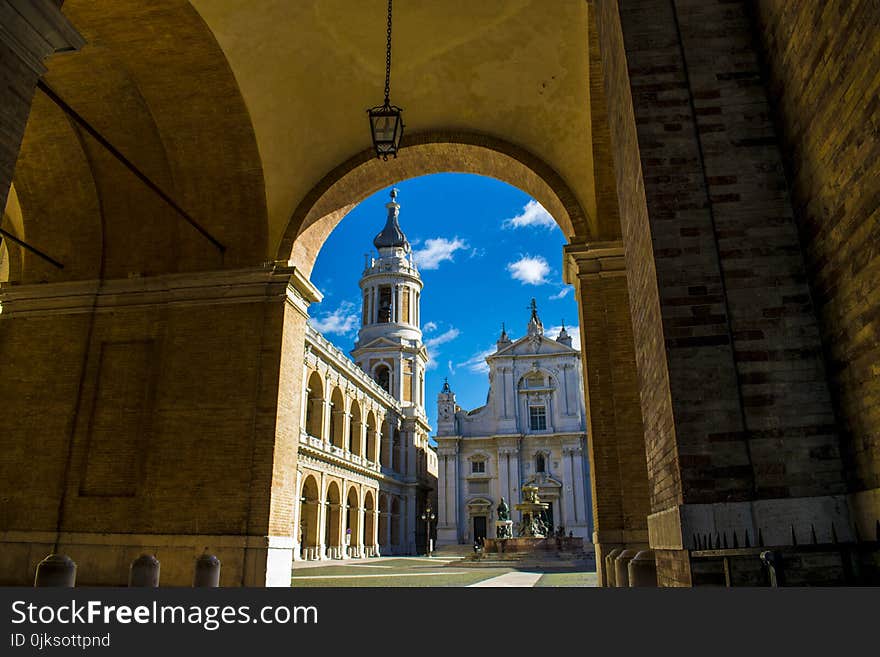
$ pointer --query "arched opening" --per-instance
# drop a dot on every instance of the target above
(332, 524)
(354, 429)
(383, 377)
(309, 512)
(337, 418)
(353, 525)
(372, 443)
(315, 406)
(369, 523)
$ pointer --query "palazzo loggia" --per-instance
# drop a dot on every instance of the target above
(532, 430)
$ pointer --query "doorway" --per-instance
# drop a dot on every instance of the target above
(479, 528)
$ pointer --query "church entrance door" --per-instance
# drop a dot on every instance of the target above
(479, 528)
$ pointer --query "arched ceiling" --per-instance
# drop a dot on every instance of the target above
(517, 70)
(239, 109)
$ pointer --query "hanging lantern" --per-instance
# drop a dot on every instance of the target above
(386, 120)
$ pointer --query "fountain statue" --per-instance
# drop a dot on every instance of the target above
(504, 525)
(532, 525)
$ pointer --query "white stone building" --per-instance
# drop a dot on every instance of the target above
(365, 470)
(531, 430)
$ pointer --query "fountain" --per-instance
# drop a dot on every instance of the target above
(535, 542)
(532, 525)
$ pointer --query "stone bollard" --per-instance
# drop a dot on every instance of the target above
(621, 574)
(608, 571)
(56, 570)
(207, 571)
(144, 571)
(643, 569)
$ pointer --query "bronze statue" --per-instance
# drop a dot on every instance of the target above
(503, 510)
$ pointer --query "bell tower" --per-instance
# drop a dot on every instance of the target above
(389, 347)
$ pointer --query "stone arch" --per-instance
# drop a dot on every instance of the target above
(354, 428)
(422, 154)
(314, 421)
(332, 525)
(13, 222)
(352, 519)
(309, 514)
(372, 445)
(369, 520)
(336, 436)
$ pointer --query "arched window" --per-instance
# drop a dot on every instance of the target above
(383, 377)
(540, 463)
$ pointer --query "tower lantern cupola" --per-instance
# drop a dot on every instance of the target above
(391, 236)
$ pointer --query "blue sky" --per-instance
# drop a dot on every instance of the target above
(484, 250)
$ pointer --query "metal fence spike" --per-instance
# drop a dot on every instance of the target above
(748, 543)
(793, 536)
(735, 541)
(725, 540)
(760, 538)
(813, 538)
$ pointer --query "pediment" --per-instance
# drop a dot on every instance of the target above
(537, 345)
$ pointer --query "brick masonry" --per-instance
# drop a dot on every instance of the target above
(719, 290)
(823, 80)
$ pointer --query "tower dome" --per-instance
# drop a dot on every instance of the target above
(391, 235)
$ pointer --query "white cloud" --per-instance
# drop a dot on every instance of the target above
(430, 326)
(573, 331)
(529, 270)
(446, 336)
(562, 293)
(436, 250)
(342, 321)
(477, 363)
(432, 343)
(533, 214)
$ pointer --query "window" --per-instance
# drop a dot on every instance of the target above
(540, 464)
(383, 378)
(535, 381)
(537, 418)
(384, 314)
(478, 466)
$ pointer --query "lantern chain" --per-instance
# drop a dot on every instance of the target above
(388, 59)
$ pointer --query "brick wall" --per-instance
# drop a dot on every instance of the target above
(823, 72)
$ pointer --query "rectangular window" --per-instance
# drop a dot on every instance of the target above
(405, 311)
(407, 380)
(537, 418)
(478, 466)
(384, 305)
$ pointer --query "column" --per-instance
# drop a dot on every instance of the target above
(570, 489)
(322, 522)
(361, 513)
(504, 475)
(389, 520)
(617, 436)
(297, 516)
(441, 490)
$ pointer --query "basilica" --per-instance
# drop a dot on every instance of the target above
(532, 430)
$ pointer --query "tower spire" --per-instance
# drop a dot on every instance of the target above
(536, 327)
(391, 235)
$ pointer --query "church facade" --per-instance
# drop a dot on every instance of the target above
(532, 430)
(365, 472)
